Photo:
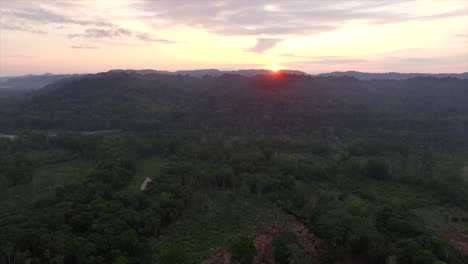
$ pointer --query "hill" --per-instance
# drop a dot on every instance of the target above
(130, 100)
(211, 72)
(31, 82)
(394, 75)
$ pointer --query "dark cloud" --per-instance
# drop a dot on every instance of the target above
(264, 44)
(99, 33)
(292, 17)
(150, 38)
(84, 47)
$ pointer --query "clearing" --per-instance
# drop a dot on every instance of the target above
(45, 179)
(213, 219)
(465, 173)
(146, 168)
(314, 247)
(451, 223)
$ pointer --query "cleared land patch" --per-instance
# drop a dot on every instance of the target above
(45, 180)
(213, 219)
(146, 168)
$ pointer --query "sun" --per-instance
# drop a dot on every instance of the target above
(275, 68)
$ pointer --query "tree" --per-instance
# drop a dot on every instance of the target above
(174, 255)
(287, 249)
(8, 249)
(129, 240)
(377, 169)
(261, 182)
(242, 250)
(423, 257)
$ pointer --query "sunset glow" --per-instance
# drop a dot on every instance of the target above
(275, 68)
(372, 36)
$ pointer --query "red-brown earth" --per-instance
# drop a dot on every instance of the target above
(314, 247)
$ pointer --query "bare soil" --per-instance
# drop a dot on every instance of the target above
(465, 173)
(314, 247)
(458, 236)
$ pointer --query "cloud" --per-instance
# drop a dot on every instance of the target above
(150, 38)
(31, 16)
(399, 62)
(99, 33)
(28, 16)
(328, 61)
(84, 47)
(331, 60)
(119, 33)
(293, 55)
(461, 35)
(21, 27)
(292, 17)
(433, 60)
(44, 16)
(264, 44)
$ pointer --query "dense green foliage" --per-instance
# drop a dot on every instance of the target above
(357, 162)
(242, 251)
(298, 103)
(288, 249)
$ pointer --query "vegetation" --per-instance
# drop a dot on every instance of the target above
(288, 249)
(242, 251)
(372, 167)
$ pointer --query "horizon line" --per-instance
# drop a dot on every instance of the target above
(224, 70)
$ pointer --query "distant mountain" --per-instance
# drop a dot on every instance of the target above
(133, 100)
(393, 75)
(211, 72)
(200, 73)
(249, 73)
(143, 72)
(31, 82)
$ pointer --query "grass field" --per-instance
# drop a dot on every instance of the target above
(148, 167)
(386, 191)
(45, 180)
(433, 219)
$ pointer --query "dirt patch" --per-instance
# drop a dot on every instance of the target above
(218, 256)
(314, 247)
(465, 173)
(459, 238)
(144, 183)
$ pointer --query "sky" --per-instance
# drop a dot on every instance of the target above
(87, 36)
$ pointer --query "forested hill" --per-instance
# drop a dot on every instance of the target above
(31, 82)
(133, 101)
(393, 75)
